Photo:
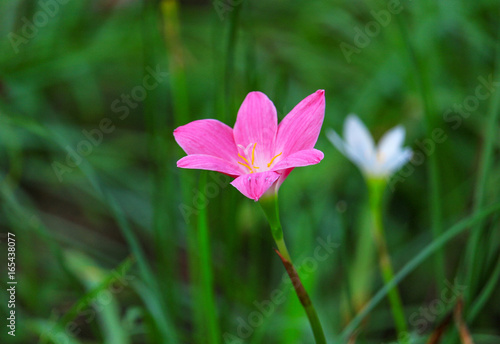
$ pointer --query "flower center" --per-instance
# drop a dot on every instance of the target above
(249, 159)
(271, 162)
(248, 165)
(380, 157)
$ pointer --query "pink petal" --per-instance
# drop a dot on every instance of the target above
(254, 185)
(257, 122)
(208, 137)
(301, 158)
(299, 130)
(211, 163)
(284, 175)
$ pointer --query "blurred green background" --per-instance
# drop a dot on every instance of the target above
(114, 244)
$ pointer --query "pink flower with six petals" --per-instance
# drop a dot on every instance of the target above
(258, 152)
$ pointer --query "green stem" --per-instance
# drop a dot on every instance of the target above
(206, 283)
(269, 204)
(229, 63)
(485, 294)
(376, 189)
(178, 83)
(415, 262)
(422, 76)
(477, 233)
(162, 151)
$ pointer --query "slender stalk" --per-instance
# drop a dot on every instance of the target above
(474, 257)
(477, 233)
(206, 274)
(426, 252)
(229, 60)
(269, 204)
(178, 96)
(162, 152)
(376, 190)
(360, 271)
(424, 84)
(485, 294)
(179, 89)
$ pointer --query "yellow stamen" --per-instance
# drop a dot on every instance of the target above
(248, 165)
(253, 153)
(251, 171)
(243, 159)
(380, 157)
(271, 162)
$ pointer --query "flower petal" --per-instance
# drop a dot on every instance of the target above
(208, 137)
(301, 158)
(254, 185)
(257, 122)
(390, 144)
(397, 161)
(337, 141)
(359, 139)
(284, 175)
(211, 163)
(348, 151)
(299, 130)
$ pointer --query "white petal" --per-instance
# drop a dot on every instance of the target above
(398, 160)
(347, 150)
(359, 139)
(336, 140)
(391, 143)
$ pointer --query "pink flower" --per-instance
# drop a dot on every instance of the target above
(258, 152)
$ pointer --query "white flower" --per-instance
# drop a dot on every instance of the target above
(375, 162)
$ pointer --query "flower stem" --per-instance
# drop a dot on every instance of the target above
(376, 190)
(269, 204)
(208, 302)
(420, 66)
(472, 257)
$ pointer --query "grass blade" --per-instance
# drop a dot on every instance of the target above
(427, 251)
